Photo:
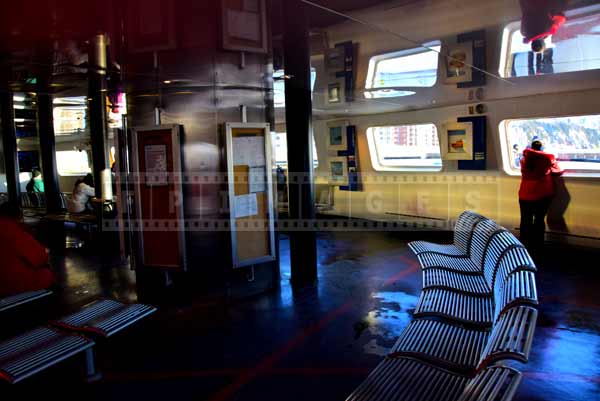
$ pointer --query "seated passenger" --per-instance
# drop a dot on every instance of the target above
(24, 264)
(36, 184)
(82, 193)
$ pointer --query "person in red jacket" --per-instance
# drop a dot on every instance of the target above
(540, 19)
(536, 192)
(24, 265)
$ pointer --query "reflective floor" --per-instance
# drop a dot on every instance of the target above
(317, 343)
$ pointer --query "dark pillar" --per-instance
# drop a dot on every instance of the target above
(303, 245)
(48, 149)
(97, 107)
(9, 142)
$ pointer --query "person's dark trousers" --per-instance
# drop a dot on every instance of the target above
(533, 225)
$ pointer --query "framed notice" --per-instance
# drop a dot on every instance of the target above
(244, 25)
(338, 170)
(156, 165)
(457, 141)
(250, 184)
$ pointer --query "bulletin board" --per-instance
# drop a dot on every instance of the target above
(250, 193)
(156, 157)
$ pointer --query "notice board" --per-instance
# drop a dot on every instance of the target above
(250, 184)
(158, 196)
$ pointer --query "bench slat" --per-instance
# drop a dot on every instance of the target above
(105, 317)
(463, 308)
(32, 352)
(22, 298)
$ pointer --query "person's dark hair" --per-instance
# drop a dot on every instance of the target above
(36, 173)
(537, 145)
(88, 180)
(538, 46)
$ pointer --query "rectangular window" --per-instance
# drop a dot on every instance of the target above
(405, 147)
(72, 162)
(575, 141)
(574, 47)
(412, 68)
(279, 144)
(279, 86)
(69, 115)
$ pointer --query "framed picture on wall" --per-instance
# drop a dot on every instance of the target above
(458, 62)
(457, 141)
(336, 91)
(336, 136)
(244, 25)
(338, 170)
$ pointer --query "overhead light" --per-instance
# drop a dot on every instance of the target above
(19, 120)
(167, 82)
(18, 98)
(19, 107)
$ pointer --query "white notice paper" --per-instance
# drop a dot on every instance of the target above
(257, 179)
(249, 151)
(246, 206)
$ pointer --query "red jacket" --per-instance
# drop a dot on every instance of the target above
(23, 261)
(541, 18)
(537, 168)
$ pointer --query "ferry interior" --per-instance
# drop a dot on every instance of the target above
(301, 199)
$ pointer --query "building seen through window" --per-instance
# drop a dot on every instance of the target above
(405, 147)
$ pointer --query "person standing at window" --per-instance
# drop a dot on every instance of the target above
(536, 193)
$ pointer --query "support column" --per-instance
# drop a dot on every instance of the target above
(303, 245)
(9, 142)
(97, 107)
(48, 149)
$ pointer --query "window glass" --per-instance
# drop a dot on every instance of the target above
(574, 47)
(279, 86)
(404, 69)
(405, 147)
(69, 115)
(279, 143)
(72, 162)
(575, 141)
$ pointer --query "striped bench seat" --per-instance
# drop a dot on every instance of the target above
(456, 306)
(468, 350)
(467, 283)
(104, 317)
(408, 379)
(41, 348)
(463, 231)
(23, 298)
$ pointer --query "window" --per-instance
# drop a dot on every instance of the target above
(574, 47)
(575, 141)
(72, 162)
(279, 86)
(279, 144)
(403, 69)
(405, 147)
(69, 115)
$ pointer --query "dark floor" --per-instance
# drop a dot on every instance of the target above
(318, 343)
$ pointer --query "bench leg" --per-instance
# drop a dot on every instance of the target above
(90, 367)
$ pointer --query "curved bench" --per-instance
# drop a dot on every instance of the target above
(466, 323)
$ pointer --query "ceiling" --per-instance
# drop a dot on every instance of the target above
(319, 18)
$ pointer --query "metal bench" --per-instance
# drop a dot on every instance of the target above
(408, 379)
(104, 317)
(474, 283)
(23, 298)
(41, 348)
(463, 232)
(483, 232)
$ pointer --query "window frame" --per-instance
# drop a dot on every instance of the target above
(513, 27)
(505, 148)
(371, 88)
(374, 152)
